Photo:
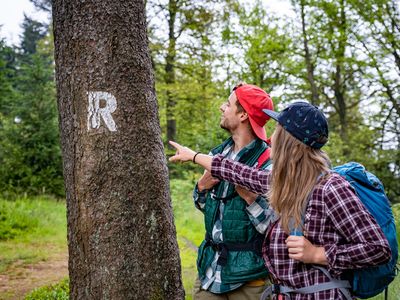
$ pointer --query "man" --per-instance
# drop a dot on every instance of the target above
(229, 261)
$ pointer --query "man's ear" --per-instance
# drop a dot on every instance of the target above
(244, 116)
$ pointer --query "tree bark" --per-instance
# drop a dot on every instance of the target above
(121, 235)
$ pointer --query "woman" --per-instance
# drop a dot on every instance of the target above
(338, 232)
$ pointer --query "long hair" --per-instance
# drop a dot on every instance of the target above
(294, 175)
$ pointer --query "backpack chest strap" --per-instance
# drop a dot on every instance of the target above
(224, 248)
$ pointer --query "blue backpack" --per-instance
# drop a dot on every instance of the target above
(366, 282)
(371, 281)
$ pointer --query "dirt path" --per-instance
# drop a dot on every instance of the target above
(190, 244)
(20, 279)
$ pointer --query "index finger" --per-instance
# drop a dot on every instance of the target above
(174, 144)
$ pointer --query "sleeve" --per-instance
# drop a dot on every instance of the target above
(255, 180)
(260, 214)
(199, 198)
(365, 245)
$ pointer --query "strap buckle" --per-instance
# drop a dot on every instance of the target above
(276, 289)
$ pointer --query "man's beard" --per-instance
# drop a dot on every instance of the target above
(225, 127)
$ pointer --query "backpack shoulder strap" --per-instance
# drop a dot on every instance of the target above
(342, 285)
(264, 157)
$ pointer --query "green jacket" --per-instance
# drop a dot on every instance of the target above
(242, 266)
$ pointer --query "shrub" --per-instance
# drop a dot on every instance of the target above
(59, 291)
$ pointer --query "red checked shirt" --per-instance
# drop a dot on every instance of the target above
(335, 219)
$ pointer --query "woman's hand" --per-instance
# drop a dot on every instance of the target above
(301, 249)
(182, 153)
(185, 154)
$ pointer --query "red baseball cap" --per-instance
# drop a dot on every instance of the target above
(254, 100)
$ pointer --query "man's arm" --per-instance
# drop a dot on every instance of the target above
(199, 198)
(261, 214)
(205, 183)
(258, 210)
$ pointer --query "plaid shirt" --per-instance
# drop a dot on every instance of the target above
(335, 219)
(259, 214)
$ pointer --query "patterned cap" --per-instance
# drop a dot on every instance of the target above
(304, 121)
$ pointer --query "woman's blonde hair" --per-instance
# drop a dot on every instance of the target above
(294, 174)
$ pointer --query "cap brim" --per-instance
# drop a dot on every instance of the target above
(273, 114)
(258, 130)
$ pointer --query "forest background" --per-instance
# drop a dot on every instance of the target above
(341, 55)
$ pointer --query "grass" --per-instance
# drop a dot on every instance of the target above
(42, 221)
(30, 230)
(188, 263)
(190, 230)
(394, 287)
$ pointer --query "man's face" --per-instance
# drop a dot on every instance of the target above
(230, 118)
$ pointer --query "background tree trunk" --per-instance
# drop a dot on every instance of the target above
(170, 70)
(122, 240)
(307, 57)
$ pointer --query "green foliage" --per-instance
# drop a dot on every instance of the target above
(43, 5)
(59, 291)
(32, 32)
(353, 51)
(188, 219)
(30, 160)
(196, 111)
(265, 45)
(17, 218)
(352, 67)
(7, 70)
(183, 57)
(353, 55)
(362, 148)
(396, 213)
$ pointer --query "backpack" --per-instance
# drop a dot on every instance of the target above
(368, 282)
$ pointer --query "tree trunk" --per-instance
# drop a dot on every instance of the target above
(339, 82)
(307, 57)
(170, 71)
(121, 235)
(341, 104)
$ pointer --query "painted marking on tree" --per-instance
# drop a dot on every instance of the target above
(95, 111)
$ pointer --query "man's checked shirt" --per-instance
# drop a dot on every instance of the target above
(335, 219)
